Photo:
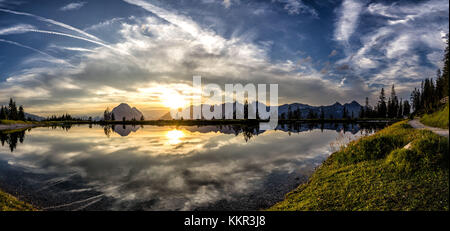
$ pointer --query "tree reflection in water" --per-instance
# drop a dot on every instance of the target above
(12, 138)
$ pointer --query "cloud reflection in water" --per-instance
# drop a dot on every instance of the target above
(161, 168)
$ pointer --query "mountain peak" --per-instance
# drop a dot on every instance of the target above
(124, 110)
(123, 105)
(353, 104)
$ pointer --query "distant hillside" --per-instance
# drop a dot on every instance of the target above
(334, 111)
(33, 117)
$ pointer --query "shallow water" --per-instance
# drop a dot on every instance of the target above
(164, 167)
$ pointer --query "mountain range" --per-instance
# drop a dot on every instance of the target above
(334, 111)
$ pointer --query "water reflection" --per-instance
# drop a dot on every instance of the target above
(12, 138)
(174, 136)
(248, 131)
(165, 167)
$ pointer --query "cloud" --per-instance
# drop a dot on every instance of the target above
(394, 49)
(73, 6)
(333, 53)
(226, 3)
(348, 16)
(104, 24)
(298, 7)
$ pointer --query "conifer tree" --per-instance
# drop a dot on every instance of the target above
(445, 71)
(382, 104)
(406, 108)
(21, 114)
(12, 110)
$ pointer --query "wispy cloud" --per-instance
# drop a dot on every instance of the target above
(394, 50)
(73, 6)
(333, 53)
(104, 24)
(226, 3)
(348, 16)
(298, 7)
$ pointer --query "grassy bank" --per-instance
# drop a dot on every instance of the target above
(378, 173)
(437, 119)
(11, 203)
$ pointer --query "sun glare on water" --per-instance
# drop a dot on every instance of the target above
(174, 136)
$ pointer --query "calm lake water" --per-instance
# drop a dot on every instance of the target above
(164, 167)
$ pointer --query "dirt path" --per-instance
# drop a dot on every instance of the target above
(415, 123)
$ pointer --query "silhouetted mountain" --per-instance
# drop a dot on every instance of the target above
(334, 111)
(124, 110)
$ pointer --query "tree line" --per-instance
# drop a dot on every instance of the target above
(297, 114)
(431, 93)
(426, 99)
(64, 117)
(390, 107)
(11, 112)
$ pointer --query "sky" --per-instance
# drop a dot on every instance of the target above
(79, 57)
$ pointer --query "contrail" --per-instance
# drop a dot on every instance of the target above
(88, 204)
(72, 203)
(76, 37)
(71, 36)
(68, 35)
(52, 22)
(33, 49)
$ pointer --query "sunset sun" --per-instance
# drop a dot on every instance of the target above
(173, 100)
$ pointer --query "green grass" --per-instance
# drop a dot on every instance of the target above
(376, 173)
(437, 119)
(11, 203)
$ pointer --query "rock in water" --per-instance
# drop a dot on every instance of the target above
(124, 110)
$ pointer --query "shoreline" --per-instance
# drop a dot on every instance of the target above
(18, 126)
